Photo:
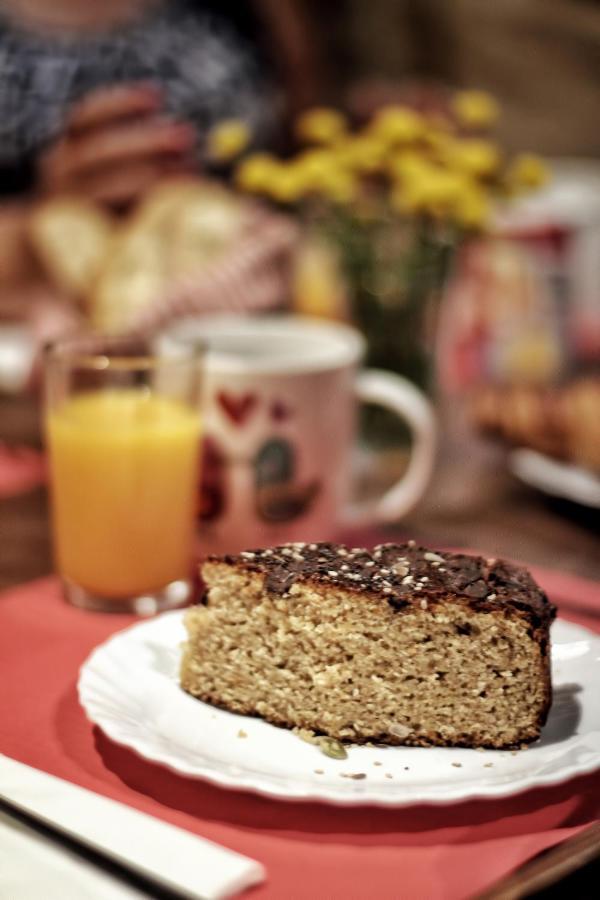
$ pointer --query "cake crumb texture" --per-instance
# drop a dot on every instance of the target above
(286, 634)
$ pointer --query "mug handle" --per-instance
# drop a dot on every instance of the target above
(405, 400)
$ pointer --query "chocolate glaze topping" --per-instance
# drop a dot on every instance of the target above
(402, 574)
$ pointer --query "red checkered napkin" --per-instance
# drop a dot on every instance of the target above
(253, 276)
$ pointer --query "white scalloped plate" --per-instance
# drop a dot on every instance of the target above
(128, 687)
(560, 479)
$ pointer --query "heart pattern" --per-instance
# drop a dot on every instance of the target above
(236, 408)
(279, 411)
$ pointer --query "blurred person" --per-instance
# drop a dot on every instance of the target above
(102, 100)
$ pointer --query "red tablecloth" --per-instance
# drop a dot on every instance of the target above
(309, 850)
(21, 469)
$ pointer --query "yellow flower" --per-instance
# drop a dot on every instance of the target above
(324, 175)
(255, 172)
(286, 183)
(429, 189)
(475, 109)
(317, 165)
(474, 157)
(227, 140)
(396, 125)
(406, 164)
(315, 172)
(472, 210)
(362, 153)
(527, 171)
(340, 187)
(321, 125)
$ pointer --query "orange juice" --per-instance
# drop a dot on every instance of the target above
(123, 471)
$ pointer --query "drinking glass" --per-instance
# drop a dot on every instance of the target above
(123, 433)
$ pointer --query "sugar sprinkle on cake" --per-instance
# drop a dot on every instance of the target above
(397, 645)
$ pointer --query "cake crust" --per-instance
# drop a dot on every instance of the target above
(401, 574)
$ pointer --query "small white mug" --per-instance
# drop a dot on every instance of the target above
(279, 408)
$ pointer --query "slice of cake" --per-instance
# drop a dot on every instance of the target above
(399, 645)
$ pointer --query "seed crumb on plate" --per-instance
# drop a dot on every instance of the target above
(242, 734)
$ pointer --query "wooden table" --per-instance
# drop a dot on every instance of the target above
(473, 502)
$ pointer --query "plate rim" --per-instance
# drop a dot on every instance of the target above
(253, 783)
(560, 489)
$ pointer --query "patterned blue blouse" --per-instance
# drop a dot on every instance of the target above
(206, 69)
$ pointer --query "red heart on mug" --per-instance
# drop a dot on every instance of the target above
(237, 409)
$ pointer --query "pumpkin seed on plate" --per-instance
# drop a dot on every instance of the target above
(332, 748)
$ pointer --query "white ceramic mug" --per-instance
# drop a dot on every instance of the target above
(280, 403)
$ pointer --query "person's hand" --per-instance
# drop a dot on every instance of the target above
(115, 145)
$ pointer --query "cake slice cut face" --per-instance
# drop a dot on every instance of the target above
(398, 645)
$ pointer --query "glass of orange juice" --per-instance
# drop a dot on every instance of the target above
(123, 433)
